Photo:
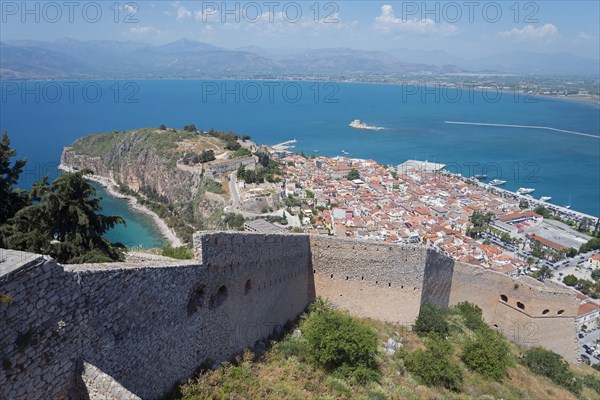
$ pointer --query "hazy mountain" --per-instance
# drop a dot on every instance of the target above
(434, 57)
(534, 63)
(70, 58)
(186, 46)
(521, 62)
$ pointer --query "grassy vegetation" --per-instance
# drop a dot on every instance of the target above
(214, 187)
(179, 253)
(316, 361)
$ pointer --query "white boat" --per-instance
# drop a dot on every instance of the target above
(525, 190)
(545, 198)
(358, 124)
(497, 182)
(345, 152)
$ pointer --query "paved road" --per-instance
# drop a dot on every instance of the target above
(235, 196)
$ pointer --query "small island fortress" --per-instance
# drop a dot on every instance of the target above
(133, 330)
(358, 124)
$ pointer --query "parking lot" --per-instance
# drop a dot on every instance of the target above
(587, 346)
(559, 233)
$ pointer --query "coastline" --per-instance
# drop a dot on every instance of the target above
(110, 185)
(573, 98)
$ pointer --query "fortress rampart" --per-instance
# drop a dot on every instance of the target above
(129, 330)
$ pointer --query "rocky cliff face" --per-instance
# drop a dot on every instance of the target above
(146, 172)
(145, 161)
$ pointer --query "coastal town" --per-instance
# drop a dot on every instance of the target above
(418, 202)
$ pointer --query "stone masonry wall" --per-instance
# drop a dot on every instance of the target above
(39, 331)
(146, 326)
(150, 326)
(391, 282)
(368, 278)
(525, 310)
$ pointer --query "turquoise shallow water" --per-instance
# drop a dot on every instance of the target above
(140, 231)
(317, 115)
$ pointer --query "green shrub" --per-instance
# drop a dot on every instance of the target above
(242, 152)
(488, 354)
(214, 187)
(592, 382)
(472, 315)
(551, 365)
(434, 366)
(340, 344)
(179, 253)
(430, 319)
(570, 280)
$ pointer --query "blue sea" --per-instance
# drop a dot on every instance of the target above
(43, 117)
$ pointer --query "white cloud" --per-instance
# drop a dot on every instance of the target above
(529, 33)
(182, 11)
(145, 31)
(388, 22)
(585, 36)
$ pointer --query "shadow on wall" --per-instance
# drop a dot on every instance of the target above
(437, 279)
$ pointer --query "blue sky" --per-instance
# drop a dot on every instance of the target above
(465, 28)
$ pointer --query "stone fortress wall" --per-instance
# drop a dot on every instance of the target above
(146, 326)
(391, 282)
(128, 330)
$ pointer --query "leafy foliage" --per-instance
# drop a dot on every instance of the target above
(11, 200)
(472, 315)
(488, 354)
(570, 280)
(551, 365)
(592, 382)
(233, 220)
(242, 152)
(214, 187)
(62, 221)
(338, 343)
(353, 174)
(592, 244)
(430, 320)
(481, 222)
(179, 253)
(435, 366)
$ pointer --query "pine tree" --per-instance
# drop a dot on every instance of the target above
(11, 200)
(65, 223)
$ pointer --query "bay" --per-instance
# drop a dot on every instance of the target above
(43, 117)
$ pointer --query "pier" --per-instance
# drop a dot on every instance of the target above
(522, 126)
(284, 146)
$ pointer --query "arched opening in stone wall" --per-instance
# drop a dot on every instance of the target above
(248, 287)
(546, 311)
(218, 298)
(520, 305)
(560, 312)
(504, 298)
(196, 300)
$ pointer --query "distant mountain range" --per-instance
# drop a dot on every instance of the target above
(70, 58)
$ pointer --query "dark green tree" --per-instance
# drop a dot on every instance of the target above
(354, 174)
(570, 280)
(11, 200)
(523, 204)
(549, 364)
(435, 366)
(64, 223)
(488, 354)
(430, 319)
(338, 343)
